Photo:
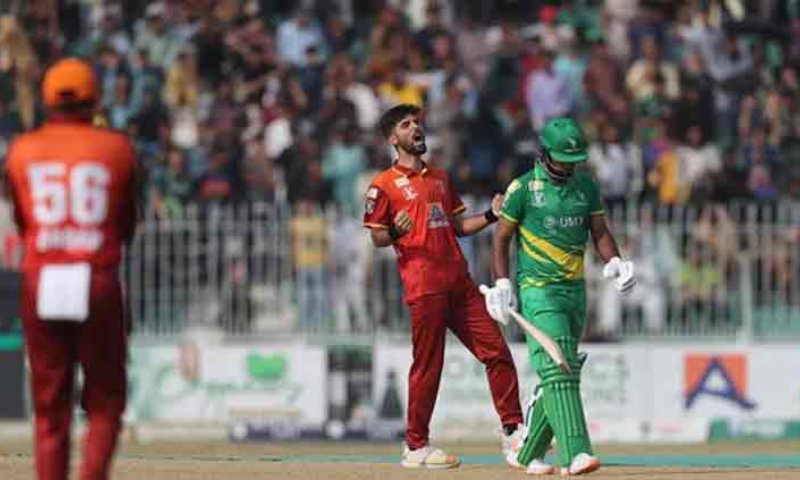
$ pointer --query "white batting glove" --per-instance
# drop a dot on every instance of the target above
(499, 299)
(623, 272)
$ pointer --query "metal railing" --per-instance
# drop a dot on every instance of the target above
(708, 272)
(262, 270)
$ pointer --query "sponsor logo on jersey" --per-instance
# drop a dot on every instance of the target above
(436, 216)
(408, 192)
(401, 182)
(536, 186)
(562, 222)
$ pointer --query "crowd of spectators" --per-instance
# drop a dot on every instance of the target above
(686, 102)
(228, 100)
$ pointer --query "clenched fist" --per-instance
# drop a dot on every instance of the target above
(402, 223)
(497, 204)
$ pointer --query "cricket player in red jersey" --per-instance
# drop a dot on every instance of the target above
(73, 188)
(414, 208)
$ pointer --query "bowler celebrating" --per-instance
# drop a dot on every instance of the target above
(413, 208)
(552, 209)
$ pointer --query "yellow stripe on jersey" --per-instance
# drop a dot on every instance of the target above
(458, 209)
(507, 217)
(533, 253)
(571, 262)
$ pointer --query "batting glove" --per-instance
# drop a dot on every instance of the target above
(623, 272)
(499, 299)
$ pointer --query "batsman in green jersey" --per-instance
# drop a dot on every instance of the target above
(552, 210)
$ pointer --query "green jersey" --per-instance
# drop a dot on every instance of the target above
(552, 225)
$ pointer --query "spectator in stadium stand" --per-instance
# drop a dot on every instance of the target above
(124, 103)
(172, 185)
(695, 107)
(343, 80)
(702, 289)
(153, 35)
(308, 229)
(302, 164)
(762, 162)
(523, 145)
(603, 81)
(22, 66)
(730, 65)
(342, 162)
(434, 28)
(729, 185)
(571, 63)
(296, 34)
(258, 175)
(617, 166)
(340, 35)
(149, 124)
(700, 161)
(643, 73)
(218, 184)
(716, 233)
(311, 76)
(182, 88)
(548, 93)
(388, 44)
(664, 176)
(397, 87)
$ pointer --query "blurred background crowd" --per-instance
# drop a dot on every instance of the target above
(693, 102)
(684, 101)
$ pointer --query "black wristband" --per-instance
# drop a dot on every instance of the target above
(490, 216)
(394, 234)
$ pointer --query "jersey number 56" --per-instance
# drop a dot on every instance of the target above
(80, 195)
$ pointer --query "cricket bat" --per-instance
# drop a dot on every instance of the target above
(544, 340)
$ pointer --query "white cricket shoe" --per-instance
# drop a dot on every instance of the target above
(538, 467)
(428, 457)
(582, 463)
(510, 447)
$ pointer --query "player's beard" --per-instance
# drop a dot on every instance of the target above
(558, 173)
(412, 147)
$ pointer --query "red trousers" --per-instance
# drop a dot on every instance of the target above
(463, 312)
(54, 349)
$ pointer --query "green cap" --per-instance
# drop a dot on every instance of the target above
(564, 140)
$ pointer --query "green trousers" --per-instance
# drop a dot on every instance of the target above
(560, 312)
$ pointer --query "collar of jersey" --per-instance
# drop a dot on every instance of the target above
(407, 172)
(539, 173)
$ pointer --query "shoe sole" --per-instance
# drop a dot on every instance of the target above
(594, 465)
(430, 466)
(539, 474)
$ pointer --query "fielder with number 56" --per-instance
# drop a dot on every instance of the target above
(552, 209)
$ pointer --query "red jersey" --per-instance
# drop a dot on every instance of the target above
(429, 257)
(74, 193)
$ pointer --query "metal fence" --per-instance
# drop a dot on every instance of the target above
(710, 272)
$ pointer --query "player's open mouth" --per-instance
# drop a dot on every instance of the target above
(418, 137)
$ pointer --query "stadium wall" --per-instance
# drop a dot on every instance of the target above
(633, 393)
